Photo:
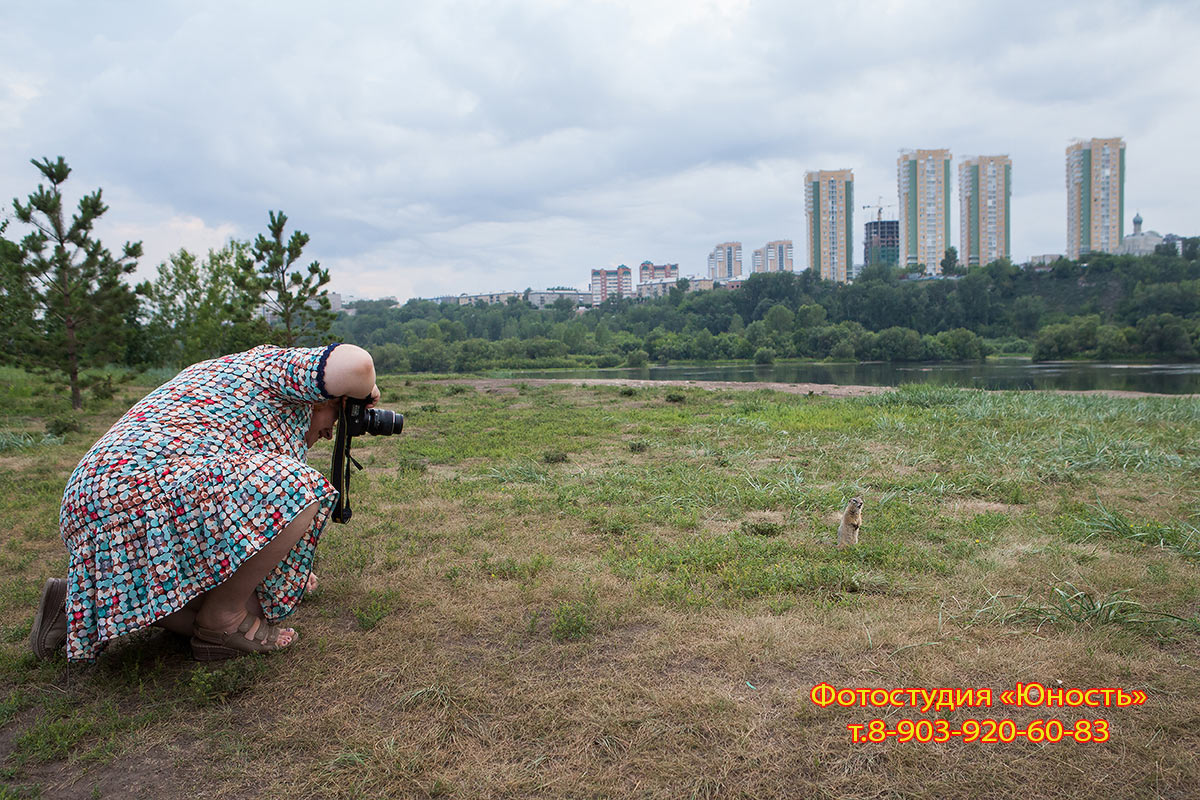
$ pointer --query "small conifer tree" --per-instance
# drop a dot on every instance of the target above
(75, 287)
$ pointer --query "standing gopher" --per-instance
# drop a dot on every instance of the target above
(851, 520)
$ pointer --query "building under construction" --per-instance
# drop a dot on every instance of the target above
(881, 243)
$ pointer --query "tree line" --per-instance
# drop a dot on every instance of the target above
(66, 303)
(1103, 306)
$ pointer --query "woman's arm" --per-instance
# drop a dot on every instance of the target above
(350, 372)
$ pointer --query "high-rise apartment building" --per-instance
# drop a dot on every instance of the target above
(608, 283)
(984, 199)
(774, 257)
(923, 179)
(1095, 196)
(829, 206)
(881, 243)
(725, 261)
(657, 272)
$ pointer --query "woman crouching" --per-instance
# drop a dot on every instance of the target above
(196, 512)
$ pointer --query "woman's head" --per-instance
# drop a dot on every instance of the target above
(324, 417)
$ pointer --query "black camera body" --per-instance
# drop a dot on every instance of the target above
(355, 419)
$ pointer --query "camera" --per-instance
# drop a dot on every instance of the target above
(376, 421)
(355, 419)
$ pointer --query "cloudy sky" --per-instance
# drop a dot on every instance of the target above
(443, 147)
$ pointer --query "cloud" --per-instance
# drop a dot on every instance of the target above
(463, 146)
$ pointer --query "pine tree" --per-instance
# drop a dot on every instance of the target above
(74, 286)
(294, 303)
(16, 304)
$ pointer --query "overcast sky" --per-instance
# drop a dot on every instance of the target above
(443, 147)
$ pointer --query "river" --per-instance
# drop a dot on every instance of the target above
(996, 374)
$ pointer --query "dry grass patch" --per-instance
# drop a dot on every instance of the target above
(614, 626)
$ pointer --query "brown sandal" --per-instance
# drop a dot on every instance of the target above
(213, 645)
(49, 630)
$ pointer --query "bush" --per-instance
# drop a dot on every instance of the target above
(627, 391)
(637, 358)
(608, 360)
(63, 424)
(961, 344)
(102, 389)
(764, 355)
(676, 397)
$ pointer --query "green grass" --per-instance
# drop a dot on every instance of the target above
(550, 590)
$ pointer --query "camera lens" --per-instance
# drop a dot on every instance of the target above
(381, 422)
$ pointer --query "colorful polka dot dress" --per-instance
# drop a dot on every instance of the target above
(192, 481)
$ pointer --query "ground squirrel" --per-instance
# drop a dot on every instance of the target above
(851, 520)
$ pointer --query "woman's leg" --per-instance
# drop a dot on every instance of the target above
(226, 605)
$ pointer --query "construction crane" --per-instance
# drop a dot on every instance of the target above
(879, 207)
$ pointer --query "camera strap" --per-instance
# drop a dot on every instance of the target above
(341, 469)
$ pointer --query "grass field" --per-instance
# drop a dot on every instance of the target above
(616, 592)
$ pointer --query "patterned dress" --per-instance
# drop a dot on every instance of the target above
(192, 481)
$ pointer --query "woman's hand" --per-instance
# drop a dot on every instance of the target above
(373, 397)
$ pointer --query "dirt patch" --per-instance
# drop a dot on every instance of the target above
(15, 464)
(974, 507)
(167, 771)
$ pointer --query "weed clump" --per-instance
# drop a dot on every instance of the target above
(417, 465)
(575, 620)
(19, 441)
(373, 608)
(627, 391)
(218, 684)
(761, 527)
(676, 397)
(1068, 606)
(639, 446)
(554, 457)
(510, 569)
(1180, 537)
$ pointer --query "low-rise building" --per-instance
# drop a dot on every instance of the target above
(654, 288)
(551, 296)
